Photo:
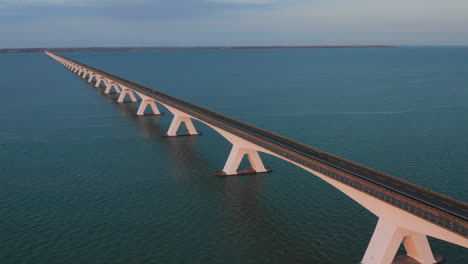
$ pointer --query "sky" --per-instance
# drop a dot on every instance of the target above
(113, 23)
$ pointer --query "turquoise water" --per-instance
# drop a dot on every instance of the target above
(85, 180)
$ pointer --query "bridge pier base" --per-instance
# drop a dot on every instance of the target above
(235, 158)
(387, 239)
(124, 93)
(98, 81)
(109, 86)
(175, 124)
(144, 104)
(91, 77)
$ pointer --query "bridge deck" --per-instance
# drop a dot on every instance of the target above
(431, 206)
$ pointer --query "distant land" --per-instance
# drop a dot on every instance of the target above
(34, 50)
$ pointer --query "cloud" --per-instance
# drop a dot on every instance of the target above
(211, 22)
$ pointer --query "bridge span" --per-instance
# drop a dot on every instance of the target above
(407, 213)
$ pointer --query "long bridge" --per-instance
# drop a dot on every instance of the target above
(407, 213)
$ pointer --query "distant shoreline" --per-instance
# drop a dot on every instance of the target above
(35, 50)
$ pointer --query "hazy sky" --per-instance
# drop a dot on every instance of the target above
(78, 23)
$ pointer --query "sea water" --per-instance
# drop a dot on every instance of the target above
(85, 180)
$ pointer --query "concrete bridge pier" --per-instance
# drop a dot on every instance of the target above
(145, 102)
(91, 77)
(179, 118)
(240, 148)
(387, 239)
(109, 86)
(235, 158)
(99, 79)
(124, 93)
(175, 124)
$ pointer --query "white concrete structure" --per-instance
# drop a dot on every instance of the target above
(387, 239)
(85, 73)
(99, 79)
(236, 155)
(394, 226)
(110, 85)
(91, 77)
(179, 118)
(145, 102)
(126, 91)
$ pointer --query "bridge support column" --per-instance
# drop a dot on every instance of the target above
(235, 158)
(144, 104)
(417, 246)
(91, 77)
(387, 239)
(85, 74)
(109, 86)
(124, 93)
(99, 79)
(179, 118)
(175, 124)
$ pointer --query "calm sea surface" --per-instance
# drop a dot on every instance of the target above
(85, 180)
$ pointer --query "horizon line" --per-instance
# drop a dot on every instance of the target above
(65, 49)
(127, 48)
